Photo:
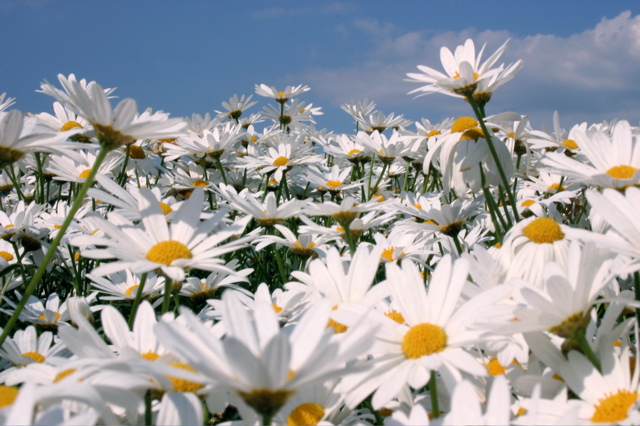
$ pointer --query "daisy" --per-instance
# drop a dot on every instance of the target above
(235, 107)
(267, 213)
(26, 348)
(281, 97)
(613, 161)
(304, 245)
(170, 249)
(285, 152)
(380, 122)
(4, 104)
(65, 123)
(293, 116)
(530, 244)
(347, 147)
(463, 68)
(202, 289)
(113, 127)
(610, 396)
(15, 143)
(333, 180)
(621, 213)
(564, 304)
(207, 144)
(259, 362)
(432, 332)
(77, 170)
(123, 285)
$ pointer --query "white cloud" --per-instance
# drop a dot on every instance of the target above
(589, 76)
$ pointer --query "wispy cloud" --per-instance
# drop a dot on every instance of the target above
(589, 76)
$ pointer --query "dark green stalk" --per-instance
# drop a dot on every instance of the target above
(477, 111)
(136, 300)
(54, 244)
(433, 394)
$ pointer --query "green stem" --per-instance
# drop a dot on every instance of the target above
(136, 300)
(15, 182)
(54, 244)
(148, 418)
(349, 238)
(375, 188)
(122, 178)
(168, 284)
(283, 274)
(219, 165)
(433, 393)
(494, 154)
(587, 350)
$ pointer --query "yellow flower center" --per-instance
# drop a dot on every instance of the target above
(61, 375)
(70, 125)
(43, 318)
(8, 394)
(396, 316)
(614, 407)
(150, 356)
(333, 183)
(570, 143)
(495, 368)
(337, 327)
(622, 172)
(199, 182)
(463, 123)
(556, 187)
(353, 152)
(277, 309)
(457, 76)
(379, 198)
(543, 230)
(434, 133)
(388, 253)
(34, 356)
(385, 412)
(182, 385)
(308, 413)
(472, 134)
(85, 174)
(6, 255)
(298, 250)
(130, 290)
(423, 339)
(136, 152)
(280, 161)
(167, 251)
(166, 208)
(527, 203)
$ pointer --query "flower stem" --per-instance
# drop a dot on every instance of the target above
(136, 300)
(581, 340)
(494, 154)
(168, 284)
(433, 393)
(77, 203)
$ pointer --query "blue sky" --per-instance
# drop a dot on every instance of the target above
(582, 58)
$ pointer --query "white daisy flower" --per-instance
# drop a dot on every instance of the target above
(170, 249)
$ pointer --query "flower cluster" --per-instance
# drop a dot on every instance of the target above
(251, 269)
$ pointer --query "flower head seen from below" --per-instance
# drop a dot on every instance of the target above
(114, 126)
(464, 71)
